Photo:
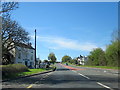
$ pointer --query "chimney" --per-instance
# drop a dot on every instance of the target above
(30, 44)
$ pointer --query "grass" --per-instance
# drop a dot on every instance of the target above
(104, 67)
(29, 72)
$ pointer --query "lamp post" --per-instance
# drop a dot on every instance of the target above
(35, 48)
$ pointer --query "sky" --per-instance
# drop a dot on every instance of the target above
(68, 28)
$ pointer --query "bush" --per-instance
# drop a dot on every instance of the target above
(13, 68)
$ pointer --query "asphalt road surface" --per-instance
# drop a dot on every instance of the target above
(69, 77)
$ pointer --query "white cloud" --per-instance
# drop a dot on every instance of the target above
(63, 43)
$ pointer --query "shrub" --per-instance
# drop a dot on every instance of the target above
(12, 68)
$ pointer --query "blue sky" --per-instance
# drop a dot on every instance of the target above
(68, 28)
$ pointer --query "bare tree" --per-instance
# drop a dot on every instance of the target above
(116, 35)
(8, 6)
(12, 32)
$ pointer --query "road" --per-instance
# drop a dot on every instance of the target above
(68, 77)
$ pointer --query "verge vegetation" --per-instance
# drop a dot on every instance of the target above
(16, 70)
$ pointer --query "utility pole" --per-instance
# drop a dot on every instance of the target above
(35, 48)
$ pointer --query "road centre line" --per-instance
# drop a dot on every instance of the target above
(29, 86)
(97, 82)
(104, 86)
(83, 75)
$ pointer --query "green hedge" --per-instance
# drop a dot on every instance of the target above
(12, 68)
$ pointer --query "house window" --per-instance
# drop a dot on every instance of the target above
(26, 55)
(20, 62)
(32, 57)
(19, 55)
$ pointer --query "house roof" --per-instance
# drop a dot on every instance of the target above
(24, 45)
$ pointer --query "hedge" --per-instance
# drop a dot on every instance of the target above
(12, 68)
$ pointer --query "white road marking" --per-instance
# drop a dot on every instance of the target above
(105, 71)
(83, 75)
(30, 86)
(104, 86)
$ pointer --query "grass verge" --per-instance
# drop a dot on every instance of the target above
(29, 72)
(103, 67)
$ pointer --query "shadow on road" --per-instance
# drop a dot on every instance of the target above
(63, 69)
(58, 79)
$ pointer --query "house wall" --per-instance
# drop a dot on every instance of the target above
(25, 56)
(82, 60)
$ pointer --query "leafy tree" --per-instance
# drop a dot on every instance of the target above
(46, 61)
(74, 61)
(113, 49)
(97, 57)
(52, 58)
(113, 53)
(66, 58)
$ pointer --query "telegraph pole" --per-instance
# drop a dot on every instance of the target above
(35, 48)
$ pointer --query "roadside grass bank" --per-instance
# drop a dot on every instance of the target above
(103, 67)
(10, 71)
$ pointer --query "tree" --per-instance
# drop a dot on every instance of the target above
(113, 53)
(66, 58)
(8, 6)
(52, 58)
(46, 61)
(116, 35)
(97, 57)
(113, 49)
(12, 32)
(74, 61)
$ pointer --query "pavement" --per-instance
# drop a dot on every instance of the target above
(68, 77)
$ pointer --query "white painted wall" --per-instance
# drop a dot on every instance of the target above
(24, 55)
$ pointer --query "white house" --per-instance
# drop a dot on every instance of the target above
(23, 54)
(82, 60)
